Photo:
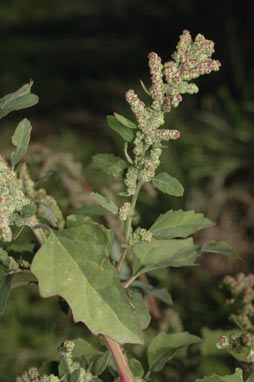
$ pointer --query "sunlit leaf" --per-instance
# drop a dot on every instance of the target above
(126, 133)
(179, 224)
(168, 184)
(124, 121)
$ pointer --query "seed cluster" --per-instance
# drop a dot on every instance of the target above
(236, 343)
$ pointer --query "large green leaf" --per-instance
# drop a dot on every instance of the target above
(20, 139)
(236, 377)
(163, 347)
(20, 99)
(105, 202)
(74, 264)
(110, 164)
(219, 247)
(5, 288)
(167, 184)
(179, 224)
(126, 133)
(176, 253)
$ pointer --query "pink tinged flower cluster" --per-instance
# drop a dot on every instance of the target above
(12, 199)
(157, 89)
(242, 290)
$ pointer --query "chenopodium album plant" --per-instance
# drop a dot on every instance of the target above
(74, 258)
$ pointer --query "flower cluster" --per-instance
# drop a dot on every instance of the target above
(12, 199)
(236, 343)
(11, 264)
(140, 234)
(169, 82)
(32, 375)
(125, 211)
(242, 290)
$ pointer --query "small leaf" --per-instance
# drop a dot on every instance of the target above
(126, 133)
(20, 99)
(105, 202)
(145, 88)
(162, 294)
(91, 210)
(237, 377)
(219, 247)
(164, 253)
(179, 224)
(124, 121)
(164, 346)
(141, 308)
(83, 347)
(5, 288)
(20, 139)
(102, 362)
(110, 164)
(167, 184)
(136, 368)
(50, 216)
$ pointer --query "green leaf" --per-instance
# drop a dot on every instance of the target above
(124, 121)
(20, 139)
(91, 210)
(74, 264)
(102, 362)
(110, 164)
(126, 133)
(145, 88)
(136, 368)
(179, 224)
(162, 294)
(5, 288)
(83, 347)
(141, 308)
(105, 202)
(20, 99)
(164, 253)
(219, 247)
(237, 377)
(163, 347)
(167, 184)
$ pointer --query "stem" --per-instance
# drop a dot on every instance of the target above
(120, 360)
(128, 226)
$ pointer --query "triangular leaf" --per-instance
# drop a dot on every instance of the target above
(179, 224)
(110, 164)
(163, 347)
(219, 247)
(105, 202)
(124, 121)
(176, 253)
(236, 377)
(168, 184)
(74, 264)
(126, 133)
(20, 99)
(20, 139)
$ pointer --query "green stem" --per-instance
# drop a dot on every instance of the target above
(120, 360)
(128, 226)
